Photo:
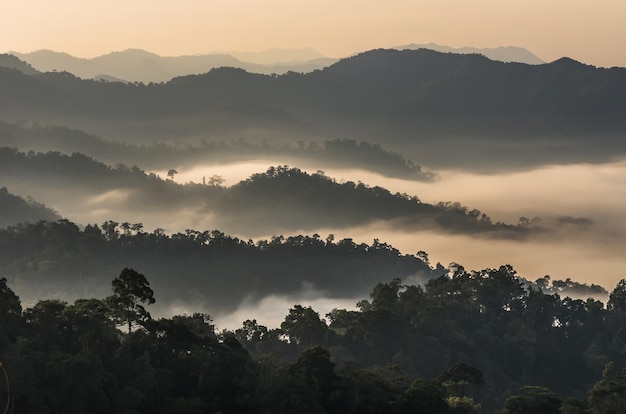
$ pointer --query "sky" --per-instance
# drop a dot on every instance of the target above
(591, 32)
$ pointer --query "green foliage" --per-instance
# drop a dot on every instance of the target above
(426, 397)
(463, 405)
(608, 396)
(532, 399)
(304, 326)
(48, 257)
(479, 335)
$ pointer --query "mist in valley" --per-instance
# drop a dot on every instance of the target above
(426, 224)
(582, 205)
(576, 212)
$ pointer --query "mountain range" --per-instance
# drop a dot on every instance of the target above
(503, 53)
(136, 65)
(417, 102)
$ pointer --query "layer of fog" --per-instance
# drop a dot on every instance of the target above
(269, 311)
(591, 253)
(562, 193)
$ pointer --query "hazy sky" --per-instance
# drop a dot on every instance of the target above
(589, 31)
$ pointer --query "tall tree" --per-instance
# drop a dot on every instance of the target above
(131, 290)
(10, 310)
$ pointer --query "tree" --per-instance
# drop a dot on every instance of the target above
(457, 377)
(304, 326)
(425, 397)
(463, 405)
(532, 399)
(10, 310)
(130, 291)
(609, 394)
(87, 319)
(617, 299)
(216, 180)
(318, 372)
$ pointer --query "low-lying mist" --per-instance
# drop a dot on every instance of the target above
(582, 211)
(585, 205)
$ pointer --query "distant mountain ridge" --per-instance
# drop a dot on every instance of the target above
(339, 154)
(506, 54)
(12, 62)
(405, 100)
(15, 209)
(136, 65)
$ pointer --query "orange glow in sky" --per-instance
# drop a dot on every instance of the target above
(591, 32)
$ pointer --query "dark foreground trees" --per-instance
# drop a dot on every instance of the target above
(466, 343)
(130, 291)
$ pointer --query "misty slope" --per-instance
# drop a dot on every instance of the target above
(209, 270)
(136, 65)
(15, 209)
(205, 270)
(503, 114)
(12, 62)
(305, 201)
(503, 54)
(337, 154)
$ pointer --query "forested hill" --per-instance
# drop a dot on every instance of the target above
(396, 96)
(336, 154)
(467, 342)
(305, 201)
(15, 209)
(196, 269)
(12, 62)
(212, 270)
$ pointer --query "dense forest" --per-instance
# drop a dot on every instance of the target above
(211, 268)
(338, 153)
(306, 201)
(464, 342)
(16, 209)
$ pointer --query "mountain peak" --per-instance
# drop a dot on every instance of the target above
(13, 62)
(502, 53)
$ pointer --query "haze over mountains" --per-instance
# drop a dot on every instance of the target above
(497, 115)
(502, 54)
(389, 127)
(136, 65)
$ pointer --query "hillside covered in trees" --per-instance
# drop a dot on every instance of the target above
(211, 269)
(403, 100)
(465, 342)
(17, 210)
(337, 154)
(430, 338)
(306, 201)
